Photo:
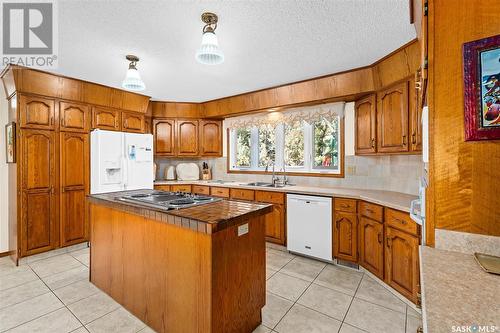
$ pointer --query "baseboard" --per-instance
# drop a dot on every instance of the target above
(7, 253)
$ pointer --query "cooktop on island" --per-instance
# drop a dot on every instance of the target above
(169, 200)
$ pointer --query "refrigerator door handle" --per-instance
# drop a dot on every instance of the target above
(125, 172)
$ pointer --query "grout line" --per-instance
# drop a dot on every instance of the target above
(295, 302)
(406, 317)
(29, 321)
(5, 307)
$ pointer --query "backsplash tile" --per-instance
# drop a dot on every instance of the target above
(399, 173)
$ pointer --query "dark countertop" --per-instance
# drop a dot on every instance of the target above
(207, 218)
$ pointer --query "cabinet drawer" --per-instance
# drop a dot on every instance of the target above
(375, 212)
(401, 221)
(345, 205)
(162, 187)
(241, 194)
(219, 192)
(270, 197)
(200, 189)
(180, 188)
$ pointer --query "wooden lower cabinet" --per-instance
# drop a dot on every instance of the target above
(345, 235)
(162, 188)
(181, 188)
(371, 246)
(275, 221)
(38, 226)
(401, 262)
(275, 225)
(74, 180)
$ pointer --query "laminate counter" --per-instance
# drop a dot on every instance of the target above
(457, 294)
(391, 199)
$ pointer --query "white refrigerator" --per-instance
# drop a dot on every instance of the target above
(120, 161)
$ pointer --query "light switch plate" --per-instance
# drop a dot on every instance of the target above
(242, 229)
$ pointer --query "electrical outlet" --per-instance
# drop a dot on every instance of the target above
(351, 170)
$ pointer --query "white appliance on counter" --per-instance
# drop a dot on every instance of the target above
(120, 161)
(309, 225)
(187, 171)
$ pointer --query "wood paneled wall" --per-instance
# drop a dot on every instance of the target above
(26, 80)
(176, 110)
(345, 86)
(464, 176)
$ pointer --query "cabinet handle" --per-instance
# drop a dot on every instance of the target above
(404, 140)
(373, 142)
(403, 222)
(344, 206)
(337, 224)
(379, 237)
(52, 120)
(389, 243)
(370, 210)
(414, 138)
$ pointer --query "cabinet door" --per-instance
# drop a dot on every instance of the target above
(345, 236)
(366, 130)
(38, 215)
(107, 119)
(164, 137)
(132, 122)
(36, 112)
(187, 137)
(211, 138)
(275, 225)
(74, 180)
(74, 117)
(392, 119)
(401, 262)
(371, 246)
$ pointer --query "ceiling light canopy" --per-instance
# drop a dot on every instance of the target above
(133, 78)
(209, 52)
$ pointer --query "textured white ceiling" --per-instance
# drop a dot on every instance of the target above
(266, 43)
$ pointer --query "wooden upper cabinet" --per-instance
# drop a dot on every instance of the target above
(38, 217)
(392, 119)
(345, 235)
(164, 137)
(371, 246)
(36, 112)
(74, 117)
(74, 182)
(187, 137)
(107, 119)
(401, 262)
(133, 122)
(366, 130)
(211, 138)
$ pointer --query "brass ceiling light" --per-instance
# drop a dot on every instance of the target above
(209, 52)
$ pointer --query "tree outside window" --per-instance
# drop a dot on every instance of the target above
(243, 153)
(294, 145)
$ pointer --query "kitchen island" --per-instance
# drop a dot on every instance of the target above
(198, 269)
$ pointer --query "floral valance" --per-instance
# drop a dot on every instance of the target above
(307, 114)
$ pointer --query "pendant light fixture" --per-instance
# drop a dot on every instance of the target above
(209, 52)
(133, 78)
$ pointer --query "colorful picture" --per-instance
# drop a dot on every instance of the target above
(490, 88)
(10, 139)
(482, 89)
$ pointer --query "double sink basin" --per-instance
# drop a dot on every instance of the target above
(258, 184)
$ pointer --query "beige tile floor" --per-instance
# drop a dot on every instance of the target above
(50, 292)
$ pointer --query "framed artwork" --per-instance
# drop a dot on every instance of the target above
(10, 142)
(482, 89)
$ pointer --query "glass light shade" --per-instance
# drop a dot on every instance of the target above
(209, 53)
(133, 80)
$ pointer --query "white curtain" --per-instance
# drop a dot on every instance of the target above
(307, 114)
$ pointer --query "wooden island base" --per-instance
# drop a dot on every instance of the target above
(176, 278)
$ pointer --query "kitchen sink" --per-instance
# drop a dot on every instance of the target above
(262, 184)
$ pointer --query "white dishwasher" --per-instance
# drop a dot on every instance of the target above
(309, 225)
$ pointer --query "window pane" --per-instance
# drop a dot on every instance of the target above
(326, 139)
(294, 145)
(267, 145)
(243, 147)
